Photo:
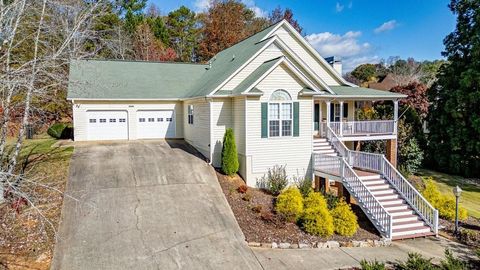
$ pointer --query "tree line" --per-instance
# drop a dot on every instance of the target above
(439, 125)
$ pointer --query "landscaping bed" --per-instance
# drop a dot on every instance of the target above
(27, 240)
(254, 211)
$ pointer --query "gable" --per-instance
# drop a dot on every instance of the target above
(281, 77)
(313, 60)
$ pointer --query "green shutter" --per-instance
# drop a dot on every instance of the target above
(296, 122)
(264, 119)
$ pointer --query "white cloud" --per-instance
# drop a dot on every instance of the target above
(347, 47)
(203, 5)
(386, 26)
(339, 7)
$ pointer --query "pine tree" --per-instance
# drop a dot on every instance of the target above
(455, 111)
(230, 163)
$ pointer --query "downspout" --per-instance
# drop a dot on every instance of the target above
(210, 145)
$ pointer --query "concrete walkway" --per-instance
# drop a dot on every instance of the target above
(147, 205)
(338, 258)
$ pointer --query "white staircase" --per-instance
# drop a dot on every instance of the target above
(406, 222)
(322, 146)
(390, 202)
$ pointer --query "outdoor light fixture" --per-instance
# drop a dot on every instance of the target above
(456, 191)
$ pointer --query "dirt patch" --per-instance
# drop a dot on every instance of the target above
(254, 211)
(469, 231)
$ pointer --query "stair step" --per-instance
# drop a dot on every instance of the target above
(391, 201)
(369, 177)
(373, 181)
(322, 146)
(319, 139)
(410, 231)
(396, 206)
(378, 186)
(405, 218)
(385, 197)
(400, 212)
(407, 224)
(326, 150)
(383, 191)
(415, 235)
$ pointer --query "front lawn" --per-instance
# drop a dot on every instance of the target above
(470, 198)
(26, 240)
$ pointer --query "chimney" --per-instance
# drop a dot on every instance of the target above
(336, 63)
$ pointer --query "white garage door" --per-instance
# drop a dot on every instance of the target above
(155, 124)
(107, 125)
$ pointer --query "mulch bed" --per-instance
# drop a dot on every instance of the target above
(469, 231)
(254, 211)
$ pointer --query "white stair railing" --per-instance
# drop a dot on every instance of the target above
(364, 127)
(374, 210)
(379, 163)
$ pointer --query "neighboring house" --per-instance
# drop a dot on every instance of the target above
(280, 97)
(385, 84)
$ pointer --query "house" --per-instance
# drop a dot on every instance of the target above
(387, 83)
(284, 102)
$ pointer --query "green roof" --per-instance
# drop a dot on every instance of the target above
(112, 79)
(255, 75)
(348, 91)
(97, 79)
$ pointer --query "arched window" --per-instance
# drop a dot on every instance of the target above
(280, 114)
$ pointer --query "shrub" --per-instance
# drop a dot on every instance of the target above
(60, 131)
(304, 185)
(290, 204)
(275, 180)
(415, 261)
(344, 220)
(316, 219)
(267, 216)
(410, 157)
(332, 200)
(452, 263)
(242, 189)
(247, 197)
(372, 265)
(444, 203)
(230, 163)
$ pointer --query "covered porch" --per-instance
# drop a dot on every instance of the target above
(339, 113)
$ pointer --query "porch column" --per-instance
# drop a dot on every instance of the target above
(341, 118)
(395, 116)
(328, 112)
(320, 127)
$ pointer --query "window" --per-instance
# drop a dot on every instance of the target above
(122, 120)
(159, 119)
(103, 120)
(280, 114)
(151, 119)
(93, 120)
(190, 114)
(141, 120)
(336, 112)
(113, 120)
(169, 119)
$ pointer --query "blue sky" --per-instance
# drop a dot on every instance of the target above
(360, 31)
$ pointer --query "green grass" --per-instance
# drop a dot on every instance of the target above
(470, 198)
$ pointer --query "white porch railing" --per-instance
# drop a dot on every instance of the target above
(374, 210)
(352, 128)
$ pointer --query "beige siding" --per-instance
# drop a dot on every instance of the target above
(222, 118)
(239, 130)
(198, 134)
(294, 152)
(80, 109)
(309, 58)
(269, 53)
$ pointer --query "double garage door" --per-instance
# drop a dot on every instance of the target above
(114, 125)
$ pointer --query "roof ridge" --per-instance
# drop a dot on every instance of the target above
(139, 61)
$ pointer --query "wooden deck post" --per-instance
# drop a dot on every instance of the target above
(321, 183)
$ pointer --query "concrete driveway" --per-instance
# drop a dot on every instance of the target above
(147, 205)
